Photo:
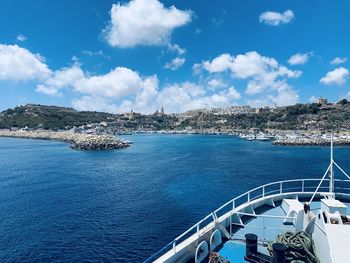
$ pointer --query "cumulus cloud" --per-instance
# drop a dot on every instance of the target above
(218, 64)
(299, 58)
(335, 77)
(65, 77)
(176, 97)
(276, 18)
(21, 38)
(186, 96)
(122, 88)
(115, 84)
(91, 103)
(175, 64)
(250, 64)
(261, 71)
(17, 63)
(143, 22)
(264, 76)
(216, 83)
(233, 93)
(338, 60)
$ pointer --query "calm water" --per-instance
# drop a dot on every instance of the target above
(61, 205)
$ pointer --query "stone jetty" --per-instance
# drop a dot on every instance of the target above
(312, 141)
(78, 141)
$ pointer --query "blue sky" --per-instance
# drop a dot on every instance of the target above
(144, 54)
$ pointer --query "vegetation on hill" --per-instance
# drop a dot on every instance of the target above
(299, 116)
(49, 117)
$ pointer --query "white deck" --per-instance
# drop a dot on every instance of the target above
(338, 240)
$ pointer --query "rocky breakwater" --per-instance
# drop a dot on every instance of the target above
(312, 141)
(98, 142)
(78, 141)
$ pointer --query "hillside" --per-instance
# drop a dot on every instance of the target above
(49, 117)
(300, 116)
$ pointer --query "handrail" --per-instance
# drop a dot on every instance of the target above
(266, 216)
(248, 195)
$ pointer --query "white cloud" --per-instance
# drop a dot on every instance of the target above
(197, 68)
(95, 53)
(276, 18)
(91, 103)
(17, 63)
(143, 22)
(219, 64)
(266, 78)
(117, 83)
(338, 60)
(175, 64)
(313, 99)
(216, 83)
(336, 77)
(177, 97)
(187, 96)
(176, 48)
(250, 64)
(262, 72)
(47, 90)
(21, 38)
(233, 93)
(299, 58)
(285, 96)
(63, 78)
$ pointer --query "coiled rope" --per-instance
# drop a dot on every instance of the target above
(300, 247)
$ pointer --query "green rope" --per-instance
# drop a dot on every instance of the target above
(300, 247)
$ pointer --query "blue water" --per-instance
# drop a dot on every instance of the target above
(61, 205)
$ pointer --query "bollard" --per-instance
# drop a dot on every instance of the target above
(251, 244)
(279, 253)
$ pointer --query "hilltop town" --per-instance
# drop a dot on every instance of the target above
(320, 115)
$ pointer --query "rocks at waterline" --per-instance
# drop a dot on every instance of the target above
(311, 141)
(78, 141)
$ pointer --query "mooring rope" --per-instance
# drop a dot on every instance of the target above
(300, 247)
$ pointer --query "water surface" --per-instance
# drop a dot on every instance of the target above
(62, 205)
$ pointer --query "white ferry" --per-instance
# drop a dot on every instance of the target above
(301, 220)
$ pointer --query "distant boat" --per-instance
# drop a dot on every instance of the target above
(124, 133)
(127, 141)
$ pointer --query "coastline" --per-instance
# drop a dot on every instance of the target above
(85, 141)
(277, 137)
(77, 141)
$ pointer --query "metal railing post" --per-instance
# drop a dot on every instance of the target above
(302, 185)
(174, 246)
(248, 196)
(281, 190)
(263, 229)
(263, 194)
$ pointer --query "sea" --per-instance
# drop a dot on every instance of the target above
(63, 205)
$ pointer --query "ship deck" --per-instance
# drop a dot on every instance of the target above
(266, 228)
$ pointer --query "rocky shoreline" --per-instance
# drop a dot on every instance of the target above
(311, 141)
(77, 141)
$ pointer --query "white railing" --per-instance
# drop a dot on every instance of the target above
(296, 186)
